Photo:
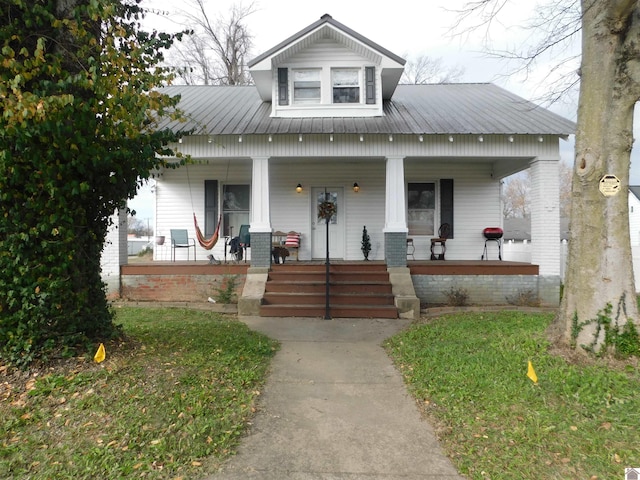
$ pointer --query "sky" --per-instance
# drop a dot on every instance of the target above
(408, 28)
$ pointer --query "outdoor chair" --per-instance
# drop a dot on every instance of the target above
(245, 240)
(180, 239)
(439, 244)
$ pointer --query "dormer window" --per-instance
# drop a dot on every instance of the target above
(306, 86)
(346, 85)
(323, 91)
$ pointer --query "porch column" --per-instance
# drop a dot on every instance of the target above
(395, 228)
(260, 221)
(545, 227)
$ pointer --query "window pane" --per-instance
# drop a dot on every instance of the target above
(306, 94)
(306, 75)
(346, 95)
(421, 199)
(235, 206)
(328, 197)
(306, 86)
(345, 77)
(346, 85)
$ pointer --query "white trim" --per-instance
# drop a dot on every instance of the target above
(395, 203)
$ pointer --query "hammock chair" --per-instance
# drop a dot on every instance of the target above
(207, 243)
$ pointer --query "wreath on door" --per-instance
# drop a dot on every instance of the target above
(326, 210)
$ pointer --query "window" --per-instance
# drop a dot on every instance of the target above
(346, 85)
(421, 215)
(235, 208)
(306, 86)
(210, 207)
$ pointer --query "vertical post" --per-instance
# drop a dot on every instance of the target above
(327, 308)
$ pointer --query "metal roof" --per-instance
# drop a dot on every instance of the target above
(479, 108)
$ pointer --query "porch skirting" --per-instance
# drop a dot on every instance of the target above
(485, 282)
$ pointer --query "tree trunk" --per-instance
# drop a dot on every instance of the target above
(600, 269)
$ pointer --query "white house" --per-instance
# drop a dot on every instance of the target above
(326, 113)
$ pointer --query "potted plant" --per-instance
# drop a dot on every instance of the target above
(366, 243)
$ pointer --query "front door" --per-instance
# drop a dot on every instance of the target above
(319, 226)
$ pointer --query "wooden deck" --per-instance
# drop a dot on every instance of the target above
(417, 267)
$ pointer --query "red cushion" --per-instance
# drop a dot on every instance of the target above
(292, 240)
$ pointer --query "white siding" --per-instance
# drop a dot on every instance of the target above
(180, 193)
(476, 205)
(545, 216)
(316, 161)
(292, 211)
(634, 220)
(114, 252)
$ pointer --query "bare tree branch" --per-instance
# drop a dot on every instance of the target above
(217, 52)
(424, 69)
(553, 33)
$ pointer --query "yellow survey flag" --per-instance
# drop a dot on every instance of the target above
(100, 354)
(531, 373)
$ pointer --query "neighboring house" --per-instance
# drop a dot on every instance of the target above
(634, 231)
(519, 229)
(517, 245)
(326, 112)
(634, 215)
(518, 238)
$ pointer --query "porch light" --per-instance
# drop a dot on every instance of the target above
(270, 138)
(421, 138)
(299, 138)
(356, 187)
(362, 138)
(299, 188)
(210, 139)
(510, 138)
(480, 138)
(240, 139)
(331, 137)
(391, 138)
(540, 139)
(180, 140)
(451, 138)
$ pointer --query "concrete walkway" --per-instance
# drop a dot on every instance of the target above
(335, 408)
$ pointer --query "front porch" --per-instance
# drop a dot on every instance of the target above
(486, 282)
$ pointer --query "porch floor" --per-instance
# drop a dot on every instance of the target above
(416, 267)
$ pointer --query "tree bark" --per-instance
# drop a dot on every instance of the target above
(600, 267)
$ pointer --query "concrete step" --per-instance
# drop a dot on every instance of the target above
(341, 276)
(356, 290)
(340, 311)
(288, 286)
(335, 299)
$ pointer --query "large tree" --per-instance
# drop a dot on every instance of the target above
(598, 311)
(599, 308)
(79, 105)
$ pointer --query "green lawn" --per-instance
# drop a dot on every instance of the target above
(468, 372)
(169, 402)
(173, 400)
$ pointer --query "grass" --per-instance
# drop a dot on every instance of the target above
(468, 372)
(171, 401)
